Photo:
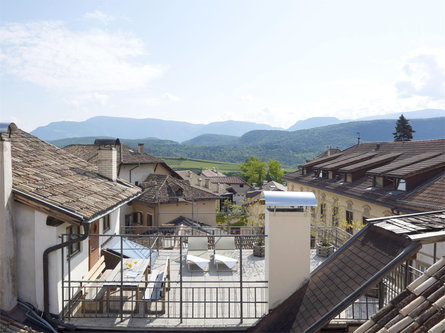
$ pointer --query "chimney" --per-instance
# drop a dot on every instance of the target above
(217, 187)
(288, 236)
(207, 183)
(107, 161)
(8, 276)
(140, 148)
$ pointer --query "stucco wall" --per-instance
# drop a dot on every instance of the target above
(203, 211)
(360, 209)
(287, 253)
(138, 174)
(26, 272)
(141, 172)
(33, 238)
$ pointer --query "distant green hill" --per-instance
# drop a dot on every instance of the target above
(212, 140)
(290, 148)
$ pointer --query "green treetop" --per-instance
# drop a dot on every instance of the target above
(404, 131)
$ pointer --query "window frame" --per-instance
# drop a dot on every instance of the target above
(106, 223)
(73, 248)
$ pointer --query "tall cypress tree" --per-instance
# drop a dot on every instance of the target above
(404, 131)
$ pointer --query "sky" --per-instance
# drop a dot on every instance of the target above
(273, 62)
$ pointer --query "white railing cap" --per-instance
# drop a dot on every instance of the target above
(289, 199)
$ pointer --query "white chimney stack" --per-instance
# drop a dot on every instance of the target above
(140, 148)
(207, 183)
(107, 161)
(8, 274)
(287, 243)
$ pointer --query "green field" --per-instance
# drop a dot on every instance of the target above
(228, 168)
(179, 163)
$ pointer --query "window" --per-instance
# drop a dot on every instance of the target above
(349, 218)
(335, 216)
(149, 220)
(137, 218)
(323, 211)
(241, 185)
(349, 178)
(378, 181)
(401, 186)
(128, 219)
(106, 223)
(73, 232)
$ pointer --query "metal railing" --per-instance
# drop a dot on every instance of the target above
(380, 295)
(190, 230)
(335, 235)
(178, 297)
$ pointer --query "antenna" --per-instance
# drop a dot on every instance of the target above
(358, 138)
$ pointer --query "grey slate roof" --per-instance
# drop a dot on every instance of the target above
(419, 162)
(420, 307)
(62, 180)
(164, 188)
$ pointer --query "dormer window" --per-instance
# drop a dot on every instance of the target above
(378, 181)
(348, 178)
(401, 186)
(331, 174)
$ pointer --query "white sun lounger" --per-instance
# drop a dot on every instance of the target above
(224, 252)
(198, 252)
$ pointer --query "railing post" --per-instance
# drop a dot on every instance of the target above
(435, 253)
(241, 276)
(180, 278)
(381, 294)
(122, 280)
(406, 274)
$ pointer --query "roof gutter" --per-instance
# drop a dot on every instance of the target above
(412, 248)
(58, 208)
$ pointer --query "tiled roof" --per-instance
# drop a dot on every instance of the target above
(419, 308)
(349, 272)
(414, 158)
(126, 154)
(228, 180)
(430, 195)
(273, 186)
(132, 156)
(360, 264)
(209, 173)
(61, 179)
(166, 189)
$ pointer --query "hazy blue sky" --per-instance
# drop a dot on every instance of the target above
(200, 61)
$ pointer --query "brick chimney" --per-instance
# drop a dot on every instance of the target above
(107, 161)
(287, 242)
(8, 273)
(140, 148)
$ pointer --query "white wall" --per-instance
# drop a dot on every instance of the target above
(287, 253)
(139, 174)
(33, 238)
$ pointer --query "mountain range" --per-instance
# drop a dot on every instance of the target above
(289, 147)
(179, 131)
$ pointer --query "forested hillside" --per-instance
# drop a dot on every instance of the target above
(289, 148)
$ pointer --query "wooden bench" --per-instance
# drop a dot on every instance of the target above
(157, 288)
(94, 292)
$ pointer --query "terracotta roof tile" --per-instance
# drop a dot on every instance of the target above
(59, 178)
(228, 180)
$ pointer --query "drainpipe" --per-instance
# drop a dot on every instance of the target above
(132, 170)
(86, 228)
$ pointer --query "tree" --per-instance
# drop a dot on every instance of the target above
(254, 170)
(404, 131)
(274, 171)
